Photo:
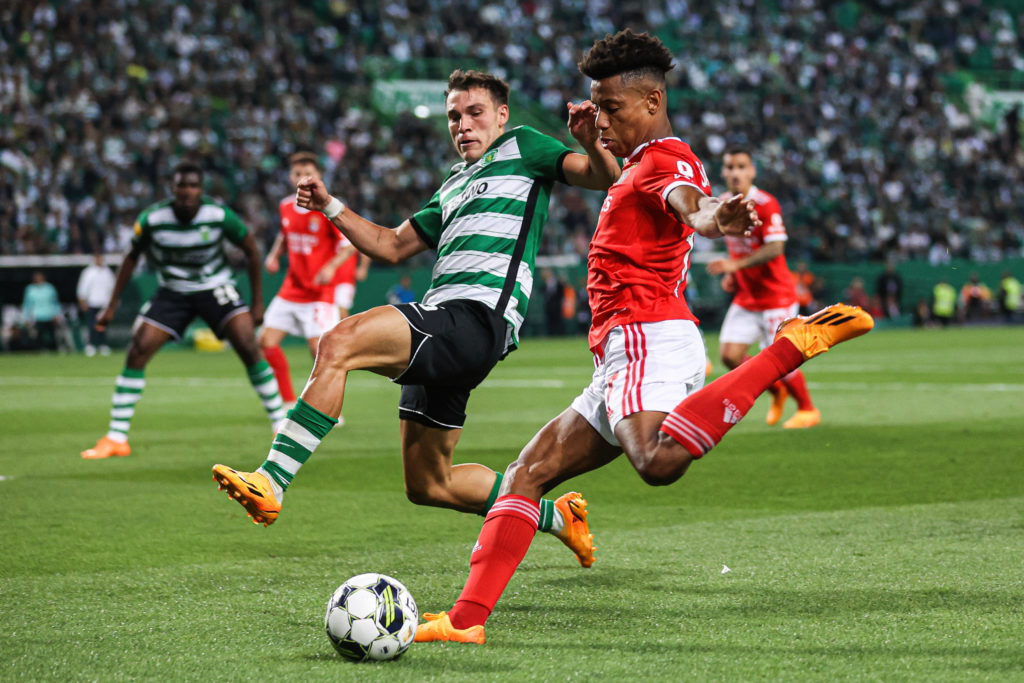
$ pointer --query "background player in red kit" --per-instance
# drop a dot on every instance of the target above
(764, 293)
(354, 269)
(304, 306)
(648, 353)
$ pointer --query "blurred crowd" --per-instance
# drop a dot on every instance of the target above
(847, 105)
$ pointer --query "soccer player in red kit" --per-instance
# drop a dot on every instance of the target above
(764, 293)
(304, 306)
(353, 270)
(647, 351)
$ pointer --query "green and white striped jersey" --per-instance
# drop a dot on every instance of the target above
(189, 257)
(486, 220)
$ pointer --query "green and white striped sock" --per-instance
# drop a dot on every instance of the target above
(127, 392)
(551, 519)
(263, 381)
(301, 433)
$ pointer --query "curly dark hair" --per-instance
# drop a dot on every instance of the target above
(633, 55)
(464, 80)
(187, 166)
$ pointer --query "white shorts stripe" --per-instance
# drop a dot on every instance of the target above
(642, 367)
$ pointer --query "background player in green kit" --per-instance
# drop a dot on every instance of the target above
(183, 240)
(485, 222)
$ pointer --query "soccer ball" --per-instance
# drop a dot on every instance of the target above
(371, 616)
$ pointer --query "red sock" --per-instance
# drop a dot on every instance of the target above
(703, 418)
(776, 386)
(797, 386)
(279, 363)
(504, 539)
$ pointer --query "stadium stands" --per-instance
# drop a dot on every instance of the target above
(850, 106)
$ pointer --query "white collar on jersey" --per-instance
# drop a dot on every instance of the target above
(637, 151)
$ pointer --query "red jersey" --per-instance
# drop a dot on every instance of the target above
(346, 272)
(312, 241)
(640, 253)
(769, 285)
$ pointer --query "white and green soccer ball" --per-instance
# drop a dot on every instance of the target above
(371, 616)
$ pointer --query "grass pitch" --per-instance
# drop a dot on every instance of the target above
(885, 544)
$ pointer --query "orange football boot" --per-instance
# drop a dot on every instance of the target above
(252, 490)
(815, 334)
(803, 419)
(107, 448)
(575, 532)
(439, 629)
(778, 405)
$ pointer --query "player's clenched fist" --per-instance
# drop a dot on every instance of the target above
(311, 194)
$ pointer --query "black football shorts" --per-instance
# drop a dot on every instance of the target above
(173, 311)
(454, 346)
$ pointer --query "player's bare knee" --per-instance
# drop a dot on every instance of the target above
(663, 467)
(731, 360)
(335, 346)
(428, 493)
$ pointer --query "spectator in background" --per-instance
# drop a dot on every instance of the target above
(975, 297)
(889, 290)
(1009, 296)
(856, 295)
(97, 97)
(943, 302)
(554, 302)
(41, 310)
(402, 292)
(808, 288)
(95, 285)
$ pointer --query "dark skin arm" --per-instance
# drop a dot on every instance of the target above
(253, 265)
(710, 216)
(124, 275)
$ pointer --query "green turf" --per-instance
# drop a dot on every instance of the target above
(886, 544)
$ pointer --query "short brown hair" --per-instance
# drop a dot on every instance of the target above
(633, 55)
(464, 80)
(304, 157)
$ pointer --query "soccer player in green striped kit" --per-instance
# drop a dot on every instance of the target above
(485, 222)
(183, 239)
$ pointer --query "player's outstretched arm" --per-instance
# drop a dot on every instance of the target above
(379, 243)
(252, 266)
(273, 260)
(598, 168)
(710, 216)
(124, 275)
(761, 255)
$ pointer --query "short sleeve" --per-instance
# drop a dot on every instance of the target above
(140, 231)
(771, 222)
(427, 221)
(542, 154)
(666, 168)
(233, 227)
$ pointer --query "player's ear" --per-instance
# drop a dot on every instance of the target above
(653, 100)
(502, 115)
